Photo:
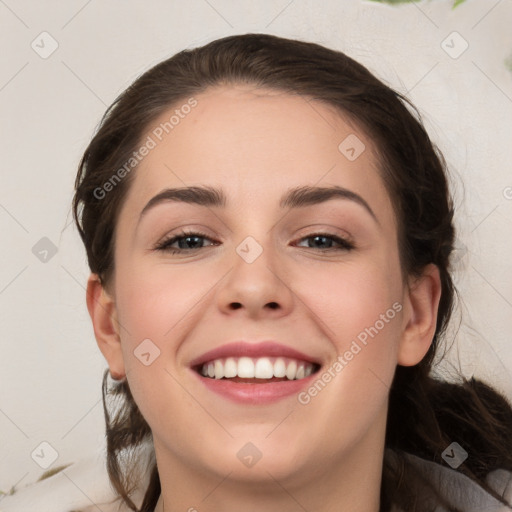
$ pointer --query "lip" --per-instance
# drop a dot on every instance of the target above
(254, 394)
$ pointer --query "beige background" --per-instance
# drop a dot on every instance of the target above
(50, 367)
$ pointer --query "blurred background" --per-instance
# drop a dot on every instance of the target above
(63, 63)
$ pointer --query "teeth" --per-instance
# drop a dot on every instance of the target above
(218, 369)
(259, 368)
(279, 367)
(291, 370)
(230, 368)
(264, 369)
(246, 368)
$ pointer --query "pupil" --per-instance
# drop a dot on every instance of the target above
(190, 238)
(316, 238)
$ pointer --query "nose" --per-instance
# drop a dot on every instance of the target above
(257, 285)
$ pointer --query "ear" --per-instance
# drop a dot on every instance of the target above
(103, 313)
(420, 316)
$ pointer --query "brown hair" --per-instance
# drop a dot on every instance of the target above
(425, 415)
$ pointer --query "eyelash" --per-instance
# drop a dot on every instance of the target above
(165, 244)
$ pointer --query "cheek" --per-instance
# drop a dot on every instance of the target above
(351, 297)
(361, 314)
(153, 298)
(359, 308)
(156, 307)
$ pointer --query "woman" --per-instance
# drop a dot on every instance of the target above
(268, 229)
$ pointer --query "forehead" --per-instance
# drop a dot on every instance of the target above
(253, 142)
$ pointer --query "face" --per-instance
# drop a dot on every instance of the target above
(316, 284)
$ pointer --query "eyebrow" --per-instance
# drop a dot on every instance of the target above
(292, 198)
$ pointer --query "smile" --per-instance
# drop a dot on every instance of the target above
(255, 373)
(263, 369)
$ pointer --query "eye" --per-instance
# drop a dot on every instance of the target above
(184, 239)
(191, 241)
(320, 239)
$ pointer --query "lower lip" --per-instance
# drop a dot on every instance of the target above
(264, 393)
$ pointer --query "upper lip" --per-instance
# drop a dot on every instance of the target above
(260, 349)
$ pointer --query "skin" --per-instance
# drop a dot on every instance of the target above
(255, 144)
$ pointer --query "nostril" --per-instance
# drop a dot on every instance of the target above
(237, 305)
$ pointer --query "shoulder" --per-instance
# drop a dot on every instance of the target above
(83, 486)
(459, 490)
